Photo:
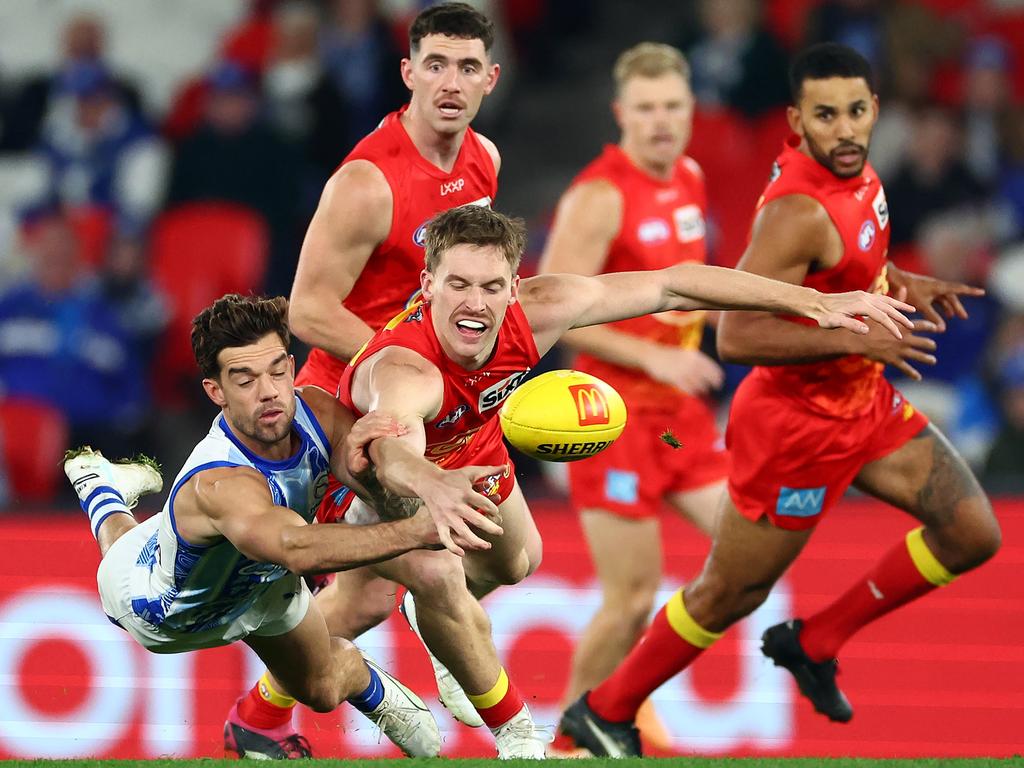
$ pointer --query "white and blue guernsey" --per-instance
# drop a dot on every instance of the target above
(186, 588)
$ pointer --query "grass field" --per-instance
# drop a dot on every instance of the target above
(664, 762)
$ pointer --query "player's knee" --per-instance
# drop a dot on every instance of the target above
(634, 607)
(716, 602)
(981, 542)
(511, 570)
(534, 554)
(438, 583)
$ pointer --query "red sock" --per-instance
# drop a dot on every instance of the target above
(907, 572)
(264, 708)
(498, 705)
(669, 645)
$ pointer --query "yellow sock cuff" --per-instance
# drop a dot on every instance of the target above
(493, 696)
(926, 563)
(275, 697)
(682, 622)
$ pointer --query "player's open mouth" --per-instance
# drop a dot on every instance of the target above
(450, 108)
(471, 328)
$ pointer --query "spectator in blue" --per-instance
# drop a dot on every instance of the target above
(101, 154)
(38, 98)
(1004, 468)
(61, 343)
(362, 58)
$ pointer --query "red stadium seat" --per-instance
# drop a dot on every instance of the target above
(199, 252)
(34, 438)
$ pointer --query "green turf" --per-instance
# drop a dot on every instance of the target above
(673, 762)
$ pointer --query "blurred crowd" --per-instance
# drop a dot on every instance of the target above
(118, 220)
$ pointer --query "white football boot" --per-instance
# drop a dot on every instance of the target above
(404, 718)
(448, 689)
(520, 739)
(87, 469)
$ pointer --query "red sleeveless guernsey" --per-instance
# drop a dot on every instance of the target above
(662, 225)
(467, 419)
(844, 387)
(419, 191)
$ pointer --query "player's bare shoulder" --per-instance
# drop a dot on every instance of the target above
(360, 189)
(492, 150)
(592, 207)
(795, 229)
(210, 495)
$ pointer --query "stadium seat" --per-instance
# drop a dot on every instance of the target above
(34, 437)
(199, 252)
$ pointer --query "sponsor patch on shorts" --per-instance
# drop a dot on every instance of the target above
(623, 487)
(800, 502)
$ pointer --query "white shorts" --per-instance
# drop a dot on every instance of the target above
(278, 610)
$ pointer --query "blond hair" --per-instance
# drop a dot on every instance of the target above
(649, 60)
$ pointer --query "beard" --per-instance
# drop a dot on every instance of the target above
(267, 434)
(828, 159)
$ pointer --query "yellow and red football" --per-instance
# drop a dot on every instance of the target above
(563, 416)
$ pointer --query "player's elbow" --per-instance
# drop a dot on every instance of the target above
(300, 317)
(731, 346)
(297, 551)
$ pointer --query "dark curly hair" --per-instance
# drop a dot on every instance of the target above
(236, 321)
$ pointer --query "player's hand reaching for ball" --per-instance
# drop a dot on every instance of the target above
(845, 310)
(459, 511)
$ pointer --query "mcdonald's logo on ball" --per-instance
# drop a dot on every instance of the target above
(563, 416)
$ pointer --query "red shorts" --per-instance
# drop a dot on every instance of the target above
(792, 464)
(634, 474)
(488, 452)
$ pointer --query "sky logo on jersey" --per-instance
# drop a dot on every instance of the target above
(866, 238)
(496, 394)
(653, 231)
(800, 502)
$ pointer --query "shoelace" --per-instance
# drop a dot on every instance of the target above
(296, 745)
(400, 716)
(527, 730)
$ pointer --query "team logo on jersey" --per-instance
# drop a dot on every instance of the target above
(652, 231)
(866, 238)
(496, 394)
(689, 223)
(881, 209)
(415, 317)
(449, 187)
(775, 172)
(457, 413)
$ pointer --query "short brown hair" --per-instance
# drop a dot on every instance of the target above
(649, 60)
(475, 225)
(236, 321)
(458, 20)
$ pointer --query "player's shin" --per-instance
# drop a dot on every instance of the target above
(672, 642)
(908, 571)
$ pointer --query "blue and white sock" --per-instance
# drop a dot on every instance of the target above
(104, 501)
(370, 699)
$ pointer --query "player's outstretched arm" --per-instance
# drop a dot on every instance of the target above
(587, 221)
(399, 383)
(353, 218)
(789, 236)
(236, 503)
(552, 302)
